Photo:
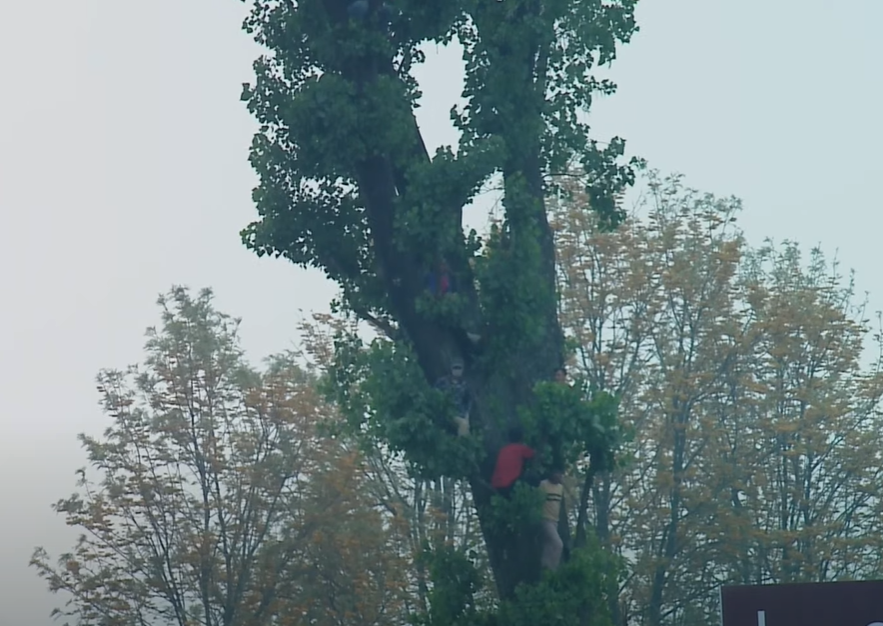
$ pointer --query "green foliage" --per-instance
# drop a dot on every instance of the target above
(513, 290)
(384, 394)
(385, 397)
(518, 514)
(573, 427)
(332, 93)
(576, 594)
(456, 582)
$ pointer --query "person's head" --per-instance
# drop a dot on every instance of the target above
(556, 476)
(516, 434)
(457, 368)
(560, 375)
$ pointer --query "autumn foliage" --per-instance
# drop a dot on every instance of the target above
(750, 395)
(214, 499)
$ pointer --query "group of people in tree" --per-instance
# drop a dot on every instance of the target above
(509, 469)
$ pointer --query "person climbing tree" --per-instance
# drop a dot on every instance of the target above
(510, 462)
(553, 489)
(439, 281)
(454, 384)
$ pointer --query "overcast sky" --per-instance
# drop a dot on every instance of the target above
(123, 170)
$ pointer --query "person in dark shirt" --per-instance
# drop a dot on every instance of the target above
(455, 386)
(510, 463)
(440, 281)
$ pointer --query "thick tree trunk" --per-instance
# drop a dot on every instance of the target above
(514, 558)
(516, 368)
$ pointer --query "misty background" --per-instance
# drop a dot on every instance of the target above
(123, 170)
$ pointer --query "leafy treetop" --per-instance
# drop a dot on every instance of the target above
(347, 184)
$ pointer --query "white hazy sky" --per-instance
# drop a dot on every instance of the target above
(123, 170)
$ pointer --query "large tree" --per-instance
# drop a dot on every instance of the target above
(348, 185)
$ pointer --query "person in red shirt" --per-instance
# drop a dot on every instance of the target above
(510, 462)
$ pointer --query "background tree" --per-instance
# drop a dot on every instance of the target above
(754, 421)
(650, 311)
(213, 499)
(347, 185)
(813, 419)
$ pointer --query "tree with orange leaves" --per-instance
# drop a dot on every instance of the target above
(750, 397)
(212, 498)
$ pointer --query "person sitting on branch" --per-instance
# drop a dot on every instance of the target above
(440, 281)
(455, 386)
